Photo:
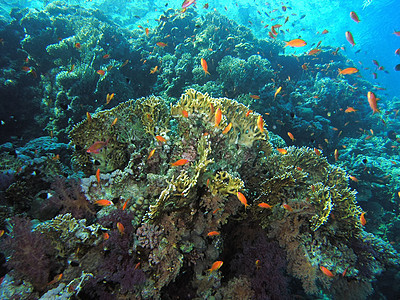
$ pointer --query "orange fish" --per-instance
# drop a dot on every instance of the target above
(242, 199)
(57, 278)
(98, 176)
(347, 71)
(326, 271)
(160, 138)
(154, 70)
(185, 113)
(316, 150)
(344, 272)
(106, 236)
(256, 97)
(114, 122)
(314, 51)
(105, 56)
(287, 207)
(324, 31)
(216, 265)
(260, 123)
(124, 63)
(121, 228)
(354, 17)
(248, 112)
(147, 31)
(78, 46)
(227, 128)
(179, 162)
(350, 110)
(281, 150)
(396, 33)
(97, 146)
(264, 205)
(124, 206)
(103, 202)
(277, 91)
(363, 221)
(161, 44)
(218, 117)
(353, 178)
(296, 43)
(151, 153)
(349, 38)
(336, 154)
(205, 66)
(373, 102)
(109, 97)
(101, 72)
(213, 233)
(291, 136)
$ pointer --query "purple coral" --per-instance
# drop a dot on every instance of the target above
(120, 261)
(31, 256)
(264, 263)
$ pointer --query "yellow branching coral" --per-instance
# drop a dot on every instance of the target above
(224, 184)
(152, 113)
(321, 198)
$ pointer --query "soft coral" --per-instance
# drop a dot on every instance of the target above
(31, 253)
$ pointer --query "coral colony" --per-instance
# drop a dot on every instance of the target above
(191, 160)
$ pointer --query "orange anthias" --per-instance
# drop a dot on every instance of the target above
(264, 205)
(326, 271)
(218, 117)
(242, 199)
(103, 202)
(363, 221)
(260, 123)
(121, 228)
(180, 162)
(213, 233)
(347, 71)
(205, 66)
(296, 43)
(216, 265)
(373, 102)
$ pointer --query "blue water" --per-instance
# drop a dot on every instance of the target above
(368, 143)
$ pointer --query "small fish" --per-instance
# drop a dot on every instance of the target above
(349, 38)
(154, 70)
(218, 117)
(106, 236)
(98, 176)
(397, 52)
(121, 228)
(205, 6)
(316, 150)
(78, 46)
(160, 138)
(114, 122)
(2, 232)
(213, 233)
(161, 44)
(396, 33)
(353, 178)
(354, 17)
(97, 146)
(185, 113)
(101, 72)
(314, 51)
(57, 278)
(256, 97)
(336, 154)
(324, 31)
(105, 56)
(350, 110)
(347, 71)
(326, 271)
(179, 162)
(125, 203)
(151, 153)
(257, 263)
(248, 112)
(264, 205)
(344, 272)
(296, 43)
(204, 66)
(260, 123)
(227, 128)
(242, 199)
(281, 150)
(373, 102)
(287, 207)
(277, 91)
(291, 136)
(363, 221)
(216, 265)
(147, 31)
(109, 97)
(125, 63)
(103, 202)
(397, 67)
